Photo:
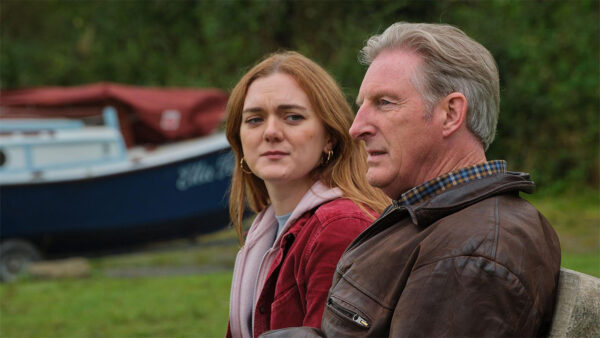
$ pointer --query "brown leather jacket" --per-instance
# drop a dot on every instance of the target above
(475, 260)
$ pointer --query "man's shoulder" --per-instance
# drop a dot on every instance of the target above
(501, 221)
(500, 236)
(505, 229)
(507, 209)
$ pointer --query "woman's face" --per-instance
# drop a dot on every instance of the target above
(282, 137)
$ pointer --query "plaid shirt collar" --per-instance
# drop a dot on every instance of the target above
(439, 184)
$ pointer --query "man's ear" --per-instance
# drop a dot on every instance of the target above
(454, 107)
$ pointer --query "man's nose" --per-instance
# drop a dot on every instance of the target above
(360, 127)
(273, 132)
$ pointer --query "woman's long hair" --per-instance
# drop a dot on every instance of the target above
(347, 166)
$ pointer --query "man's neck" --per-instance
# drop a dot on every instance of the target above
(457, 160)
(451, 179)
(452, 156)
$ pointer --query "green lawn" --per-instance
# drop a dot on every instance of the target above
(102, 306)
(183, 306)
(576, 219)
(197, 305)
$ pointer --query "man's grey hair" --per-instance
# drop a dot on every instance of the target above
(453, 62)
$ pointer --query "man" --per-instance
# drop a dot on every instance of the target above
(458, 253)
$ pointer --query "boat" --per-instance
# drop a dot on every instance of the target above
(74, 179)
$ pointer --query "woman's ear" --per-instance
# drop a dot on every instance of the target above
(330, 144)
(454, 107)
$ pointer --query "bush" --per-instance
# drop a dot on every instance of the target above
(547, 52)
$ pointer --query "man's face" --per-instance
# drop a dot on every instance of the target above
(399, 139)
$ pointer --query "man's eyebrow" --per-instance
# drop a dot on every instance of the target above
(378, 95)
(359, 100)
(388, 93)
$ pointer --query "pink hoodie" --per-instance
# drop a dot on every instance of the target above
(255, 258)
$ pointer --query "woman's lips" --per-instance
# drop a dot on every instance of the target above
(273, 155)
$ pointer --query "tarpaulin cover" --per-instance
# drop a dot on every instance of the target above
(146, 114)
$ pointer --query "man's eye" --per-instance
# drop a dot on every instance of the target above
(383, 102)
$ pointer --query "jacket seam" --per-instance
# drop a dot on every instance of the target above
(491, 236)
(496, 228)
(430, 206)
(470, 256)
(527, 291)
(357, 285)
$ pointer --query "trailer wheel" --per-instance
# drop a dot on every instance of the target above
(15, 256)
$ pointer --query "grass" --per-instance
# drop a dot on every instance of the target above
(102, 306)
(197, 305)
(213, 251)
(576, 219)
(179, 306)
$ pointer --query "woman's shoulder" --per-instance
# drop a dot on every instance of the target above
(341, 219)
(341, 209)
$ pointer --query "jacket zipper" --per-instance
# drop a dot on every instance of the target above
(355, 317)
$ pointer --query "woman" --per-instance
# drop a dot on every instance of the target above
(298, 168)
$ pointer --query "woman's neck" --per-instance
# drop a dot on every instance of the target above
(285, 196)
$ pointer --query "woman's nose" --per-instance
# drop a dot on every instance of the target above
(273, 132)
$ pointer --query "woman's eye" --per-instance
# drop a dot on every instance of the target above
(294, 117)
(253, 120)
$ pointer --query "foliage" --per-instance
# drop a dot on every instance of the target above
(547, 52)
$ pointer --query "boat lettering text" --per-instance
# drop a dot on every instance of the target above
(202, 172)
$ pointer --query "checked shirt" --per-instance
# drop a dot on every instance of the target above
(439, 184)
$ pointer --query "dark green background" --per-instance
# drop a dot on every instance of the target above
(547, 52)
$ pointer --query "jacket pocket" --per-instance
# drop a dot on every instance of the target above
(344, 312)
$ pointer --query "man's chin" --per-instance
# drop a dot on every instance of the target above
(385, 185)
(376, 181)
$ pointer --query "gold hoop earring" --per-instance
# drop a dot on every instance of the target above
(244, 170)
(329, 154)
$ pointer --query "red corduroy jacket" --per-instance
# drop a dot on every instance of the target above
(299, 279)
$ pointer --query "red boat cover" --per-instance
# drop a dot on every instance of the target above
(146, 114)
